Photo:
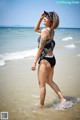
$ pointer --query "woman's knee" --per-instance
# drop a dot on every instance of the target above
(50, 82)
(42, 83)
(43, 89)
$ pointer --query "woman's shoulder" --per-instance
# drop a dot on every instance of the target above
(45, 31)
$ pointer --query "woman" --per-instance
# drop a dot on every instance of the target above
(46, 56)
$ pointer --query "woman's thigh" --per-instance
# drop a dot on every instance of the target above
(43, 70)
(50, 76)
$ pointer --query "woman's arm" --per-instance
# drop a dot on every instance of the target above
(41, 47)
(37, 27)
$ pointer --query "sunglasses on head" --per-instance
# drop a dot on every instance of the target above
(48, 15)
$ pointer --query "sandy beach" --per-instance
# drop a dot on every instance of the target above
(19, 90)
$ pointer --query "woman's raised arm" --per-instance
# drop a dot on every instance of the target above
(37, 27)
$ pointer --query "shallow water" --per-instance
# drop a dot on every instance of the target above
(19, 90)
(70, 101)
(19, 43)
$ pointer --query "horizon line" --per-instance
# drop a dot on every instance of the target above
(14, 26)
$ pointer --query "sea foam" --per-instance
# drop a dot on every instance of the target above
(67, 38)
(68, 104)
(70, 46)
(17, 55)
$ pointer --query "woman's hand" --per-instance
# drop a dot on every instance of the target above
(33, 66)
(42, 15)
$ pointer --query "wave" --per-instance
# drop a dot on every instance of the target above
(68, 104)
(17, 55)
(70, 46)
(67, 38)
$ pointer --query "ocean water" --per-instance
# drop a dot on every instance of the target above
(18, 85)
(18, 43)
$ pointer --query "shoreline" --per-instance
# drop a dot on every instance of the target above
(64, 73)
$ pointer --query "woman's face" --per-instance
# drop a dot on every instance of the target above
(47, 21)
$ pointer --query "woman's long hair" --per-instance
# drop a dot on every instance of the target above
(55, 22)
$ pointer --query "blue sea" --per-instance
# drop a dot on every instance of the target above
(21, 42)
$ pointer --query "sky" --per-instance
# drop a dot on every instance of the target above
(27, 12)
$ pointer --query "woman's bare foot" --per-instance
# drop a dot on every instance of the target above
(63, 101)
(39, 105)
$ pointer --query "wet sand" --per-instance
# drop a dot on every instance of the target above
(19, 89)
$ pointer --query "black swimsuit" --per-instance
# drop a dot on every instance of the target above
(50, 44)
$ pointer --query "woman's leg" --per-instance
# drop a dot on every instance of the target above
(43, 70)
(42, 82)
(54, 86)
